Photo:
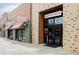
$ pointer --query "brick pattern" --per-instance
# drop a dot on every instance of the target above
(36, 8)
(71, 27)
(22, 11)
(70, 24)
(4, 18)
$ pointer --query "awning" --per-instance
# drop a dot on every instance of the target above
(7, 27)
(18, 25)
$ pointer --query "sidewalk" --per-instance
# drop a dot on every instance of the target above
(11, 47)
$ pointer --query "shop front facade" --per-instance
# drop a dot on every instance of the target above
(14, 23)
(51, 24)
(8, 32)
(19, 18)
(22, 32)
(69, 21)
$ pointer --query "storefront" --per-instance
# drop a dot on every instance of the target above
(52, 26)
(17, 29)
(8, 32)
(53, 30)
(21, 32)
(69, 29)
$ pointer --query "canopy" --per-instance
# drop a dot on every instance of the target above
(18, 25)
(7, 27)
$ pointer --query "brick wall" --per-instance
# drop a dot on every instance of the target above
(36, 8)
(21, 12)
(4, 21)
(71, 27)
(4, 18)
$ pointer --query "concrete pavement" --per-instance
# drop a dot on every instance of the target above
(11, 47)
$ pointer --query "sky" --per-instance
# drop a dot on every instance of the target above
(7, 7)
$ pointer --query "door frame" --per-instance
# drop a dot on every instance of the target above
(41, 20)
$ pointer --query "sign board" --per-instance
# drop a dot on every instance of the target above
(53, 14)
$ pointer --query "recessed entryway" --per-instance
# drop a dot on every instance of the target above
(51, 26)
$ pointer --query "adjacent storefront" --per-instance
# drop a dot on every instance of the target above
(22, 32)
(7, 31)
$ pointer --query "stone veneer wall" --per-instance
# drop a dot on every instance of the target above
(70, 24)
(36, 8)
(71, 27)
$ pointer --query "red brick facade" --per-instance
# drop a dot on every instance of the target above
(22, 11)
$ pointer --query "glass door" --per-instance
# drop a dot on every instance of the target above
(53, 31)
(48, 25)
(50, 31)
(58, 30)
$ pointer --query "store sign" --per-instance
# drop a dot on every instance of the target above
(53, 14)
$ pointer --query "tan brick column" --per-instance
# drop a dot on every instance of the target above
(14, 34)
(2, 33)
(6, 33)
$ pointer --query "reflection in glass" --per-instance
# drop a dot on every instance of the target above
(59, 20)
(50, 21)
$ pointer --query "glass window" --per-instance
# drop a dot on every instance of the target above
(50, 21)
(59, 20)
